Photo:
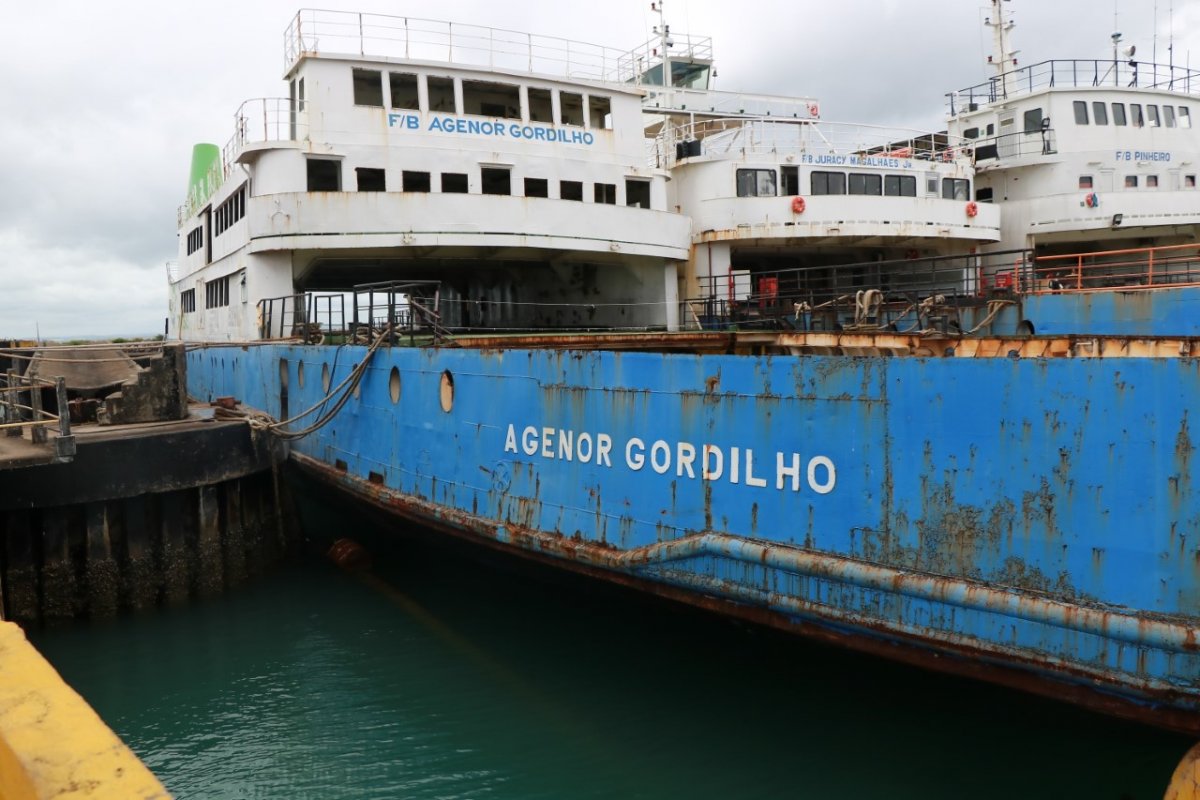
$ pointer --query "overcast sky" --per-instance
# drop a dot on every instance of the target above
(103, 100)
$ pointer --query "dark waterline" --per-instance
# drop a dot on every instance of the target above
(437, 676)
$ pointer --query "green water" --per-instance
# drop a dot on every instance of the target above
(456, 679)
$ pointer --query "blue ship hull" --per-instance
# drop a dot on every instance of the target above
(1031, 520)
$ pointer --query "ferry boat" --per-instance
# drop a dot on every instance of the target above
(572, 302)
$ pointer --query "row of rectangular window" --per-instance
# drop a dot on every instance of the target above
(216, 293)
(480, 98)
(230, 211)
(1152, 118)
(1131, 182)
(324, 175)
(195, 239)
(762, 183)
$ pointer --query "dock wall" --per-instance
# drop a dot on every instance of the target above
(141, 517)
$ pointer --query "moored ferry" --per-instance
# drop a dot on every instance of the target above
(714, 346)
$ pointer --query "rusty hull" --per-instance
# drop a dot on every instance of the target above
(1080, 687)
(1033, 517)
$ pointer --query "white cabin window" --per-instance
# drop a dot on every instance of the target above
(1118, 113)
(324, 175)
(455, 183)
(599, 112)
(485, 99)
(368, 87)
(1033, 120)
(1085, 182)
(571, 190)
(756, 183)
(537, 187)
(496, 180)
(541, 109)
(216, 293)
(404, 90)
(1185, 117)
(931, 184)
(900, 185)
(1131, 181)
(1152, 115)
(570, 108)
(637, 193)
(413, 181)
(1099, 113)
(231, 210)
(441, 94)
(827, 183)
(866, 183)
(1151, 181)
(187, 301)
(370, 179)
(605, 193)
(1135, 115)
(956, 189)
(1189, 181)
(195, 239)
(1081, 112)
(1169, 116)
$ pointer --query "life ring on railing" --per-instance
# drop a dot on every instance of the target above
(798, 205)
(972, 208)
(1091, 200)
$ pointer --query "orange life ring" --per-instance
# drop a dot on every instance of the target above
(972, 208)
(798, 205)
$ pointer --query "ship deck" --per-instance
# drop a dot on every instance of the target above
(843, 343)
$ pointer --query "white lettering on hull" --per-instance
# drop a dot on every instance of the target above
(734, 464)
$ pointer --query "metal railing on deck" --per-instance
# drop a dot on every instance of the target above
(909, 293)
(386, 36)
(1069, 73)
(392, 308)
(21, 409)
(1113, 270)
(857, 145)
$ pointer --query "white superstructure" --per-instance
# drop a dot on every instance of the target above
(1084, 155)
(546, 183)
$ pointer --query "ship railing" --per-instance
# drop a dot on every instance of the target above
(634, 65)
(307, 316)
(314, 31)
(913, 293)
(736, 137)
(1147, 268)
(1074, 73)
(22, 409)
(357, 315)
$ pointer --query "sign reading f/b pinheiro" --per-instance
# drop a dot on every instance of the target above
(488, 127)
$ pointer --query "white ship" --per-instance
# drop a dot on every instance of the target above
(544, 183)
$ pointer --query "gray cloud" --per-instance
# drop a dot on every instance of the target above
(103, 102)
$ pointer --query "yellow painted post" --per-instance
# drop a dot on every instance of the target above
(1185, 783)
(52, 744)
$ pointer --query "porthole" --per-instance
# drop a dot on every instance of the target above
(283, 373)
(394, 385)
(300, 374)
(447, 391)
(325, 378)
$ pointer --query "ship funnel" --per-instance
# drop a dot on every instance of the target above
(203, 177)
